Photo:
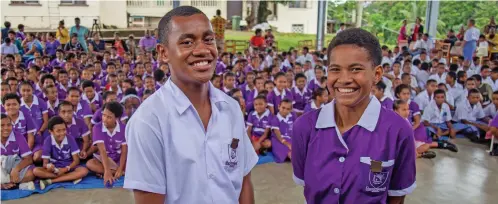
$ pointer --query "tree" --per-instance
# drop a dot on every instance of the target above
(259, 12)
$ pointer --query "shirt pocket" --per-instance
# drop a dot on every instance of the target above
(231, 155)
(375, 183)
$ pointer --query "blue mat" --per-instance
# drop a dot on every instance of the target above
(88, 182)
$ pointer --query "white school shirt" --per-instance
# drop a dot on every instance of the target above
(457, 91)
(422, 99)
(439, 79)
(490, 110)
(489, 81)
(170, 152)
(472, 34)
(465, 111)
(433, 114)
(422, 77)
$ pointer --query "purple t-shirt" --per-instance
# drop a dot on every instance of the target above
(387, 103)
(414, 110)
(259, 123)
(112, 140)
(314, 85)
(77, 129)
(83, 110)
(365, 164)
(24, 124)
(97, 117)
(16, 144)
(301, 98)
(284, 125)
(57, 63)
(274, 98)
(61, 92)
(51, 47)
(220, 68)
(60, 155)
(97, 100)
(53, 111)
(494, 122)
(37, 109)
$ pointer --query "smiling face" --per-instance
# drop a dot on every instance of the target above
(190, 50)
(351, 75)
(6, 126)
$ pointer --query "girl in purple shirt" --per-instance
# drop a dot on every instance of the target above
(60, 156)
(278, 93)
(301, 94)
(378, 92)
(22, 121)
(281, 126)
(258, 125)
(108, 136)
(318, 99)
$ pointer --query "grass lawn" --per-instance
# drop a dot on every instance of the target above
(285, 40)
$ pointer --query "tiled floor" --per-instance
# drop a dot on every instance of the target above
(467, 177)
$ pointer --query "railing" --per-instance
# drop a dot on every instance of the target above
(205, 3)
(149, 4)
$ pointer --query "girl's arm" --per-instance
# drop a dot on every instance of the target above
(103, 154)
(272, 110)
(76, 161)
(45, 123)
(122, 158)
(86, 143)
(279, 135)
(249, 131)
(31, 141)
(26, 161)
(416, 121)
(265, 135)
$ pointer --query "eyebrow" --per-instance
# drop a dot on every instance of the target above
(351, 65)
(190, 35)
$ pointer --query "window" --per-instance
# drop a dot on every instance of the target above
(206, 3)
(21, 2)
(297, 28)
(298, 4)
(73, 2)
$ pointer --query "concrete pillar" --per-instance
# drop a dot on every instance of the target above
(431, 18)
(320, 28)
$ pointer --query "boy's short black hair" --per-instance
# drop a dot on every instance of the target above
(495, 70)
(260, 97)
(165, 21)
(430, 81)
(87, 83)
(229, 74)
(477, 77)
(439, 91)
(381, 85)
(10, 96)
(405, 75)
(56, 120)
(453, 67)
(286, 100)
(416, 62)
(474, 91)
(460, 74)
(360, 38)
(4, 116)
(74, 89)
(279, 74)
(233, 91)
(130, 91)
(159, 75)
(299, 75)
(424, 66)
(452, 75)
(115, 107)
(64, 103)
(106, 94)
(47, 76)
(148, 92)
(45, 89)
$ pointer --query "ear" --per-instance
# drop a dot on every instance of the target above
(378, 72)
(162, 53)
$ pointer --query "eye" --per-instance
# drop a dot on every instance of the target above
(334, 69)
(356, 69)
(187, 42)
(209, 40)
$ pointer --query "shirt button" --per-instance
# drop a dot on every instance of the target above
(336, 190)
(211, 176)
(342, 159)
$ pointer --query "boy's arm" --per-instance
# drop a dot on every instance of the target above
(26, 161)
(247, 192)
(103, 154)
(396, 200)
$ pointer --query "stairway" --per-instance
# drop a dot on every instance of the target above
(53, 14)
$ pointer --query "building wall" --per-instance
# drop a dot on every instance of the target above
(112, 13)
(287, 16)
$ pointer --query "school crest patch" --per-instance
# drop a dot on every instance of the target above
(377, 181)
(232, 161)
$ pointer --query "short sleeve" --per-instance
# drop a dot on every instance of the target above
(459, 113)
(87, 112)
(145, 165)
(84, 129)
(426, 114)
(250, 120)
(98, 134)
(494, 122)
(480, 113)
(43, 106)
(30, 124)
(47, 148)
(275, 124)
(251, 158)
(415, 109)
(96, 117)
(301, 131)
(73, 145)
(270, 99)
(404, 171)
(24, 150)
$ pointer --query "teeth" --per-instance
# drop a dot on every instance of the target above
(201, 63)
(345, 90)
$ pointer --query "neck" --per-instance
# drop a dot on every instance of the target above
(317, 103)
(347, 117)
(14, 116)
(198, 94)
(4, 139)
(28, 100)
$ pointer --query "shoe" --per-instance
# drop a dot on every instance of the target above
(27, 186)
(45, 183)
(76, 181)
(428, 155)
(450, 146)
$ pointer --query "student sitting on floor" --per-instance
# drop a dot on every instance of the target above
(21, 120)
(402, 108)
(108, 135)
(319, 98)
(378, 91)
(490, 110)
(60, 156)
(470, 117)
(258, 125)
(301, 94)
(76, 128)
(425, 97)
(281, 126)
(16, 158)
(279, 93)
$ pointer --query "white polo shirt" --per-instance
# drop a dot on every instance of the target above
(433, 114)
(169, 151)
(465, 111)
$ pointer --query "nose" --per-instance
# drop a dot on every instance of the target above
(201, 49)
(344, 77)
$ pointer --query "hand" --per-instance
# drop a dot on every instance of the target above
(288, 145)
(62, 171)
(256, 145)
(439, 132)
(108, 177)
(83, 155)
(118, 173)
(14, 176)
(8, 186)
(50, 167)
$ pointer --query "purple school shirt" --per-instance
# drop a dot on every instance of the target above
(61, 92)
(284, 125)
(259, 123)
(220, 68)
(248, 69)
(337, 168)
(16, 144)
(74, 83)
(97, 100)
(57, 63)
(53, 111)
(247, 92)
(20, 35)
(97, 117)
(37, 109)
(60, 155)
(301, 98)
(51, 47)
(77, 129)
(314, 85)
(310, 106)
(24, 124)
(414, 110)
(274, 98)
(83, 110)
(387, 103)
(112, 140)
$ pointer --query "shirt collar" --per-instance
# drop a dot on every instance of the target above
(116, 129)
(265, 114)
(12, 138)
(49, 105)
(281, 118)
(78, 107)
(383, 98)
(21, 117)
(95, 99)
(300, 92)
(368, 120)
(182, 103)
(35, 102)
(313, 105)
(278, 93)
(64, 142)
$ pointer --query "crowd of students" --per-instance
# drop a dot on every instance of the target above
(60, 111)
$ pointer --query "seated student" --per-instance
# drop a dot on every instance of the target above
(228, 82)
(281, 127)
(485, 90)
(449, 98)
(76, 128)
(319, 98)
(470, 117)
(114, 86)
(425, 97)
(216, 81)
(108, 96)
(50, 92)
(81, 107)
(63, 84)
(301, 94)
(146, 94)
(21, 120)
(278, 93)
(378, 91)
(269, 86)
(491, 109)
(406, 79)
(150, 83)
(130, 102)
(258, 125)
(108, 136)
(315, 83)
(90, 95)
(401, 107)
(18, 157)
(60, 156)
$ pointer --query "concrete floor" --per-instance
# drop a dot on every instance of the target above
(467, 177)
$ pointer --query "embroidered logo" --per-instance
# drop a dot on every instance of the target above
(232, 161)
(377, 181)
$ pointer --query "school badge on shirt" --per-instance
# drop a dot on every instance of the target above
(377, 179)
(232, 161)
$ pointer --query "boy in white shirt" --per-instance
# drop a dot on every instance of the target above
(470, 116)
(437, 118)
(424, 98)
(490, 110)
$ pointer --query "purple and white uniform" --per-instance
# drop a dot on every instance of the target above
(77, 130)
(61, 155)
(311, 106)
(83, 110)
(24, 124)
(97, 100)
(275, 97)
(365, 164)
(61, 92)
(112, 140)
(314, 84)
(284, 125)
(301, 98)
(97, 117)
(53, 110)
(387, 102)
(259, 123)
(16, 145)
(37, 109)
(420, 134)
